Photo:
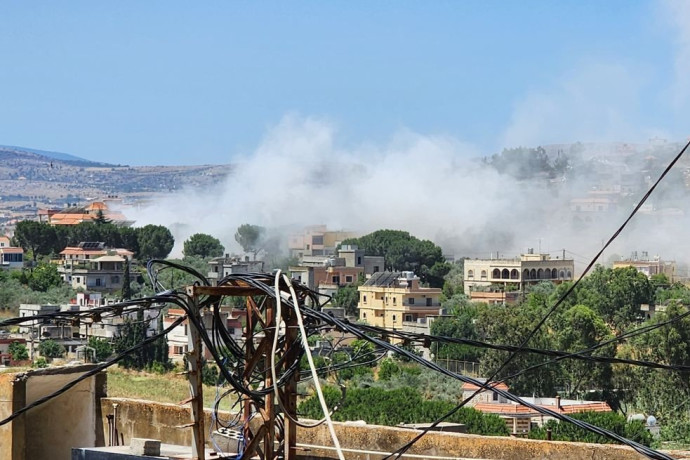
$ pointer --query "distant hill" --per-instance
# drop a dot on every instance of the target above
(66, 157)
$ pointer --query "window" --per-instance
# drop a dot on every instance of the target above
(364, 299)
(348, 278)
(364, 315)
(317, 240)
(394, 300)
(231, 330)
(115, 279)
(408, 318)
(336, 279)
(359, 260)
(411, 301)
(428, 302)
(496, 273)
(376, 268)
(495, 395)
(98, 281)
(394, 318)
(470, 274)
(483, 274)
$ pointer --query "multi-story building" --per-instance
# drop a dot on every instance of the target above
(317, 241)
(92, 266)
(64, 332)
(327, 274)
(516, 273)
(178, 338)
(647, 266)
(388, 299)
(220, 267)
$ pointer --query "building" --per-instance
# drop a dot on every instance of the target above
(649, 266)
(520, 419)
(220, 267)
(388, 299)
(92, 266)
(76, 215)
(516, 273)
(178, 338)
(5, 342)
(317, 241)
(327, 274)
(63, 332)
(11, 258)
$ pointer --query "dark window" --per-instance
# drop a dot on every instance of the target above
(411, 301)
(336, 280)
(394, 318)
(495, 396)
(317, 240)
(376, 268)
(98, 281)
(408, 318)
(359, 261)
(348, 279)
(428, 302)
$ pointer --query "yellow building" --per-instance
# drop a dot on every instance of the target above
(388, 299)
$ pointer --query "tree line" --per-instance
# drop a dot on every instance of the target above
(42, 239)
(606, 305)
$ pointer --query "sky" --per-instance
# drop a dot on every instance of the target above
(168, 82)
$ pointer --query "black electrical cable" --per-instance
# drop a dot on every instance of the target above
(558, 302)
(92, 372)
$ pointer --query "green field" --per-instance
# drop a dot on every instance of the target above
(166, 388)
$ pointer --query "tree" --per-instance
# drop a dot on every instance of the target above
(101, 219)
(43, 277)
(250, 237)
(404, 252)
(347, 297)
(461, 325)
(203, 245)
(616, 294)
(51, 349)
(155, 242)
(126, 283)
(102, 348)
(35, 237)
(580, 328)
(18, 351)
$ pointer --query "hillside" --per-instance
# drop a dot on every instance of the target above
(31, 179)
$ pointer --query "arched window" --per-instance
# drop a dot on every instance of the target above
(554, 273)
(568, 275)
(525, 274)
(505, 274)
(533, 274)
(483, 274)
(514, 274)
(561, 274)
(470, 273)
(496, 274)
(540, 274)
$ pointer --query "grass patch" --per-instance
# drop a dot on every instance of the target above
(165, 388)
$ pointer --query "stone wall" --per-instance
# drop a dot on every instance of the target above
(166, 422)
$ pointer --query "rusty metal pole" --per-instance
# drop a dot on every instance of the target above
(290, 390)
(195, 363)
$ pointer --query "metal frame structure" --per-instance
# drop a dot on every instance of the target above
(261, 435)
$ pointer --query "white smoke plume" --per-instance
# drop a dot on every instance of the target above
(434, 187)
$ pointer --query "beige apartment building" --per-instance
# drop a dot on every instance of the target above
(514, 274)
(388, 299)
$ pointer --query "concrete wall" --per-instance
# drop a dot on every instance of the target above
(50, 430)
(164, 422)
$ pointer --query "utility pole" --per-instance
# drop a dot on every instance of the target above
(195, 364)
(260, 433)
